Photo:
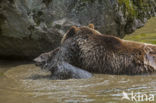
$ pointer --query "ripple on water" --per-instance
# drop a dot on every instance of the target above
(35, 85)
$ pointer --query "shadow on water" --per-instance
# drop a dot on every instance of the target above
(37, 77)
(7, 64)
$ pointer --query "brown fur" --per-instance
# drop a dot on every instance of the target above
(88, 49)
(73, 31)
(91, 26)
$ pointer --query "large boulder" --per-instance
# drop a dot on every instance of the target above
(30, 27)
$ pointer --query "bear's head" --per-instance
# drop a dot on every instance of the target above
(80, 30)
(43, 58)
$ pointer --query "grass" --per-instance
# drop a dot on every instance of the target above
(146, 34)
(1, 74)
(146, 38)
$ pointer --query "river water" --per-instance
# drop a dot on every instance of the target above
(22, 82)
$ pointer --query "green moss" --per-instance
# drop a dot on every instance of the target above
(129, 6)
(88, 1)
(1, 74)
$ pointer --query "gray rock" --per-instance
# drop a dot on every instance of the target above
(30, 27)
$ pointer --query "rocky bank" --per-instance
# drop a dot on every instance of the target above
(30, 27)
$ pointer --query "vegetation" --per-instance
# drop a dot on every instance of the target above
(133, 8)
(1, 74)
(146, 38)
(128, 6)
(147, 34)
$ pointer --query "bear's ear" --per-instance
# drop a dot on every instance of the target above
(71, 32)
(91, 26)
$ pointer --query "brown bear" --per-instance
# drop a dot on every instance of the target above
(86, 48)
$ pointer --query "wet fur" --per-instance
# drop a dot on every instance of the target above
(85, 50)
(89, 50)
(44, 58)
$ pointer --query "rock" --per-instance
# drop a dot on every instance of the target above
(30, 27)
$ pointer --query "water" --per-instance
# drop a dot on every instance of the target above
(25, 83)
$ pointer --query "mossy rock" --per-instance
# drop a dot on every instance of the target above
(129, 6)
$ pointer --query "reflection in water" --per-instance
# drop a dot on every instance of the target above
(28, 84)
